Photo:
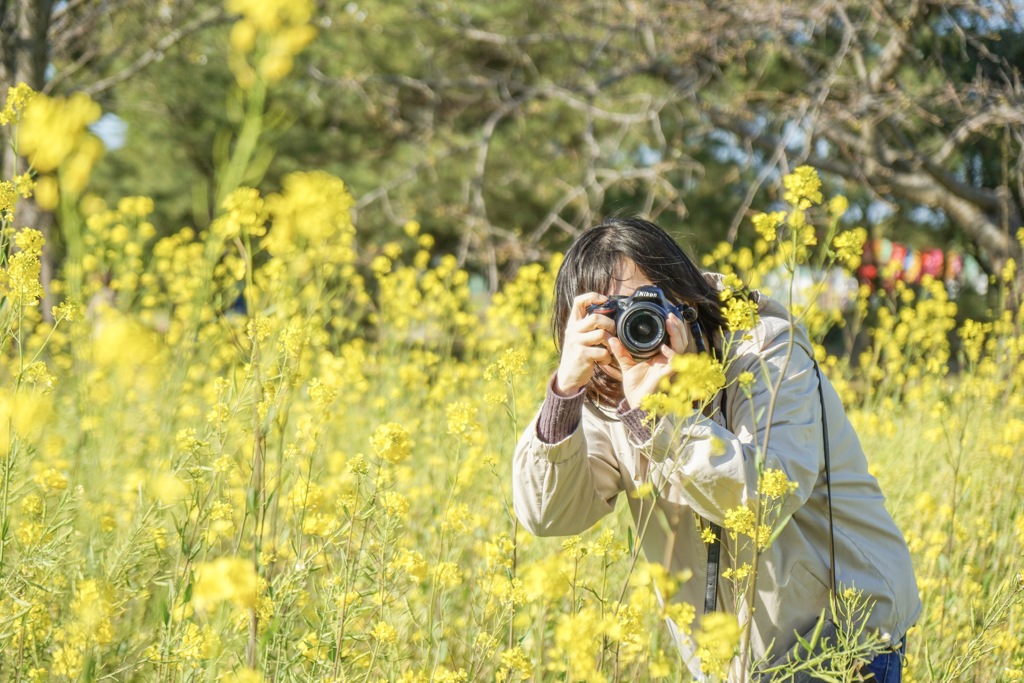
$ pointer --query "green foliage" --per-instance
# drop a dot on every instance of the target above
(505, 127)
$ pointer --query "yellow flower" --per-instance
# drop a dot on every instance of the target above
(508, 367)
(93, 608)
(226, 579)
(740, 520)
(244, 214)
(258, 328)
(312, 210)
(717, 640)
(358, 465)
(68, 661)
(384, 633)
(462, 420)
(197, 644)
(577, 636)
(243, 676)
(24, 184)
(509, 592)
(53, 128)
(32, 505)
(696, 379)
(23, 284)
(321, 394)
(135, 206)
(411, 562)
(51, 481)
(606, 545)
(837, 206)
(30, 532)
(319, 524)
(381, 265)
(803, 187)
(270, 15)
(644, 490)
(458, 519)
(682, 613)
(849, 246)
(391, 442)
(243, 36)
(18, 97)
(737, 574)
(444, 675)
(8, 198)
(395, 504)
(745, 380)
(158, 536)
(37, 373)
(767, 224)
(1008, 271)
(447, 574)
(47, 192)
(740, 313)
(30, 240)
(775, 484)
(515, 665)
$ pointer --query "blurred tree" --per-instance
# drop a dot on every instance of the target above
(522, 122)
(89, 45)
(920, 103)
(507, 126)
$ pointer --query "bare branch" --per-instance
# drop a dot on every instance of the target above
(986, 119)
(892, 54)
(209, 18)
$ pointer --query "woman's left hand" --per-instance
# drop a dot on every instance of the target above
(643, 378)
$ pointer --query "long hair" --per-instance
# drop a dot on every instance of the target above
(590, 265)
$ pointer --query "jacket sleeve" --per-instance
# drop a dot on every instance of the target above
(564, 488)
(714, 469)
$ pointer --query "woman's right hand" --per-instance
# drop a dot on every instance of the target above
(584, 346)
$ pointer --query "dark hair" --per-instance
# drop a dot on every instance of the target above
(590, 265)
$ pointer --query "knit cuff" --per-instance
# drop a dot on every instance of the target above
(635, 420)
(559, 415)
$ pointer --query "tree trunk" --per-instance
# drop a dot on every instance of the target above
(23, 59)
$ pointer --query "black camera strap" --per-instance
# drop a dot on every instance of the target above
(715, 547)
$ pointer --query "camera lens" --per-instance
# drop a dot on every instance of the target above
(642, 331)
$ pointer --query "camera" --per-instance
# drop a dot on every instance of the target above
(640, 319)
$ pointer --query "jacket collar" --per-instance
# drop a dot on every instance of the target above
(774, 319)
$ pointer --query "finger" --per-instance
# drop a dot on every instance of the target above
(592, 338)
(598, 321)
(678, 336)
(659, 375)
(597, 354)
(621, 354)
(581, 301)
(595, 322)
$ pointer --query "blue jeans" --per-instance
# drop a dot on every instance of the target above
(888, 667)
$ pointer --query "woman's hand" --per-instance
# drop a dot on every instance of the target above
(643, 378)
(584, 346)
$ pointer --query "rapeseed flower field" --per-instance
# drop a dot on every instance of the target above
(263, 451)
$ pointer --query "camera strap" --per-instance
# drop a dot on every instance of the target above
(715, 547)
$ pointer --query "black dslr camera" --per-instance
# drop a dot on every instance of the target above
(640, 319)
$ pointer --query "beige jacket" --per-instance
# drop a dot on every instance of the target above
(704, 468)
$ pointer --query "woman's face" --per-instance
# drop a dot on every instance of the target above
(626, 279)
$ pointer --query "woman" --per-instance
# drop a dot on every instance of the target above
(591, 441)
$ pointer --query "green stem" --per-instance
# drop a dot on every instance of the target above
(8, 465)
(248, 140)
